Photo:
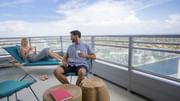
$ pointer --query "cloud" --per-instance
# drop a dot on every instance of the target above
(102, 12)
(104, 17)
(9, 28)
(24, 28)
(173, 19)
(105, 11)
(138, 5)
(117, 17)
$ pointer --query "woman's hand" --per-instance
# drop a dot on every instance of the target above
(30, 49)
(35, 50)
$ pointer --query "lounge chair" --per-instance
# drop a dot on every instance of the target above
(14, 52)
(17, 81)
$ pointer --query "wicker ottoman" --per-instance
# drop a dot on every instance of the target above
(94, 89)
(73, 89)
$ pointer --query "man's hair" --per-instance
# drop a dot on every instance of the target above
(76, 32)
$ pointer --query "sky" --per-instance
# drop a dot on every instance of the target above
(20, 18)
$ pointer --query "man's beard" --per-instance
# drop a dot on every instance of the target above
(73, 41)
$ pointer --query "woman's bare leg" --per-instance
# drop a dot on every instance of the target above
(55, 55)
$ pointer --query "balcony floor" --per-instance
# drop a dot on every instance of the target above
(116, 93)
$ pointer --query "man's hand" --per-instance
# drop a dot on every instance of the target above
(83, 55)
(90, 56)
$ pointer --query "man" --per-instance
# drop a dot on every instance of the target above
(75, 59)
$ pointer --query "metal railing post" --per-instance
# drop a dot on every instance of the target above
(93, 42)
(61, 42)
(30, 44)
(130, 54)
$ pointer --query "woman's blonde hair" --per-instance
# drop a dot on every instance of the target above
(24, 41)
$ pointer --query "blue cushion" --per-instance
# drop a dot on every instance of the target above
(19, 51)
(70, 74)
(13, 51)
(11, 86)
(61, 53)
(43, 62)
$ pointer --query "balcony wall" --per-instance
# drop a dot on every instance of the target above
(151, 87)
(116, 74)
(156, 88)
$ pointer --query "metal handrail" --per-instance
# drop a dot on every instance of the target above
(94, 39)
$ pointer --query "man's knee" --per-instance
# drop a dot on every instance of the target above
(82, 72)
(58, 71)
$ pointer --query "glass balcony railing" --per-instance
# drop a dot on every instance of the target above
(112, 49)
(158, 55)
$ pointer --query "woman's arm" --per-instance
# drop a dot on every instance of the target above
(23, 53)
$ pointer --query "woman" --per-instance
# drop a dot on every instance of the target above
(29, 53)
